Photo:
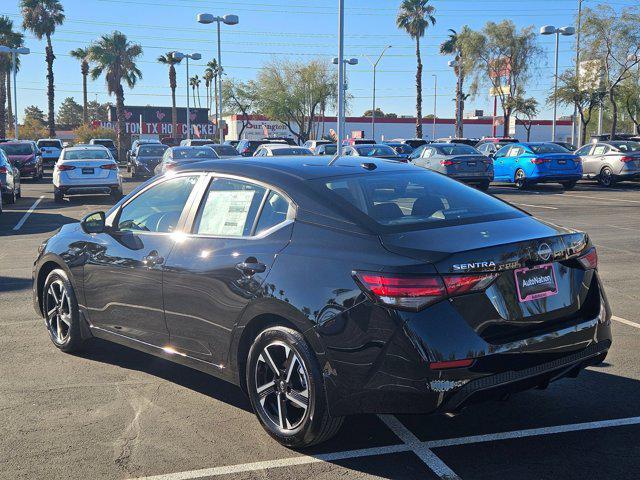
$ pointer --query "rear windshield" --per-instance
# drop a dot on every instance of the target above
(194, 153)
(49, 143)
(17, 148)
(279, 152)
(199, 142)
(402, 148)
(106, 143)
(627, 146)
(458, 149)
(414, 200)
(374, 150)
(89, 154)
(226, 150)
(151, 150)
(548, 148)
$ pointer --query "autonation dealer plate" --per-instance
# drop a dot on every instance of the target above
(537, 282)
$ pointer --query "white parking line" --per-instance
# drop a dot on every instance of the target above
(26, 215)
(424, 453)
(534, 206)
(626, 322)
(411, 445)
(597, 198)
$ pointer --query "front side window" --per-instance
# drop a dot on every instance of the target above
(157, 209)
(229, 208)
(584, 150)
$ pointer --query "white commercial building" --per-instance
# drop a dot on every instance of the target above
(257, 127)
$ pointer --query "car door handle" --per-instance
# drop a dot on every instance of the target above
(152, 259)
(251, 267)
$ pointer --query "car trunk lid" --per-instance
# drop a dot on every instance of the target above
(88, 169)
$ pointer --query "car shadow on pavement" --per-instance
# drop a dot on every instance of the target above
(38, 222)
(14, 284)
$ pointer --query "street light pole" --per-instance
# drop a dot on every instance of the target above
(187, 56)
(435, 104)
(551, 30)
(228, 19)
(373, 111)
(14, 60)
(576, 125)
(340, 62)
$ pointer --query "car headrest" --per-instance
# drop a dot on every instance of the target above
(385, 211)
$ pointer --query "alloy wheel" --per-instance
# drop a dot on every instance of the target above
(58, 308)
(606, 177)
(520, 179)
(282, 385)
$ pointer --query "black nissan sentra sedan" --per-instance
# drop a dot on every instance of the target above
(330, 290)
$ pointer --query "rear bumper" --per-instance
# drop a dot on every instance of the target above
(633, 175)
(29, 171)
(474, 180)
(555, 178)
(83, 189)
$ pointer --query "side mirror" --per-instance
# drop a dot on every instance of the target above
(93, 223)
(492, 155)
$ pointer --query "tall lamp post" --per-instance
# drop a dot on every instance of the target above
(342, 87)
(14, 54)
(373, 111)
(456, 64)
(187, 56)
(435, 105)
(207, 18)
(551, 30)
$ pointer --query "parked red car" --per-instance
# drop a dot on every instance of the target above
(25, 156)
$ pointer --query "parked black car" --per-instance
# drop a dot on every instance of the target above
(326, 291)
(145, 158)
(107, 143)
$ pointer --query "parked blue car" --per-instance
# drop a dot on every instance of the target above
(525, 164)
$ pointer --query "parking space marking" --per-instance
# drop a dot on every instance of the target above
(534, 206)
(626, 322)
(26, 215)
(423, 452)
(597, 198)
(279, 463)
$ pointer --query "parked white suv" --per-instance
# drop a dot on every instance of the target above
(86, 169)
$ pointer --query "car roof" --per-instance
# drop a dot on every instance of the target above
(86, 147)
(300, 167)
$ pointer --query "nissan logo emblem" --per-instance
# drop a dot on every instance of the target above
(544, 251)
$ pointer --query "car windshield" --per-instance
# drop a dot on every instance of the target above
(105, 143)
(17, 148)
(415, 200)
(279, 152)
(226, 150)
(151, 150)
(49, 143)
(548, 148)
(375, 150)
(328, 149)
(88, 154)
(194, 153)
(458, 149)
(627, 146)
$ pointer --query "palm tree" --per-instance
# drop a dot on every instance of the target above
(12, 39)
(208, 81)
(115, 56)
(451, 47)
(82, 54)
(195, 85)
(41, 17)
(213, 65)
(172, 61)
(415, 16)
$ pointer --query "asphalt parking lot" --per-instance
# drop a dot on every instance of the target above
(117, 413)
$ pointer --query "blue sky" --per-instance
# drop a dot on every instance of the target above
(273, 29)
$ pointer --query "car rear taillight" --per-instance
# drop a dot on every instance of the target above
(446, 163)
(590, 259)
(109, 166)
(416, 292)
(62, 168)
(539, 161)
(3, 170)
(626, 159)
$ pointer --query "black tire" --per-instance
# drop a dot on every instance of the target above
(520, 179)
(569, 185)
(19, 192)
(62, 319)
(58, 196)
(300, 427)
(484, 186)
(11, 198)
(116, 194)
(606, 178)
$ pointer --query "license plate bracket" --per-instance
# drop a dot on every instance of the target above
(87, 170)
(562, 162)
(536, 282)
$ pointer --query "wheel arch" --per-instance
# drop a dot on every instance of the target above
(47, 265)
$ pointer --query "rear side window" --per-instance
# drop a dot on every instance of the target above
(229, 208)
(415, 200)
(274, 211)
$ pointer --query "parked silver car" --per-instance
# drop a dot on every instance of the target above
(458, 161)
(611, 162)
